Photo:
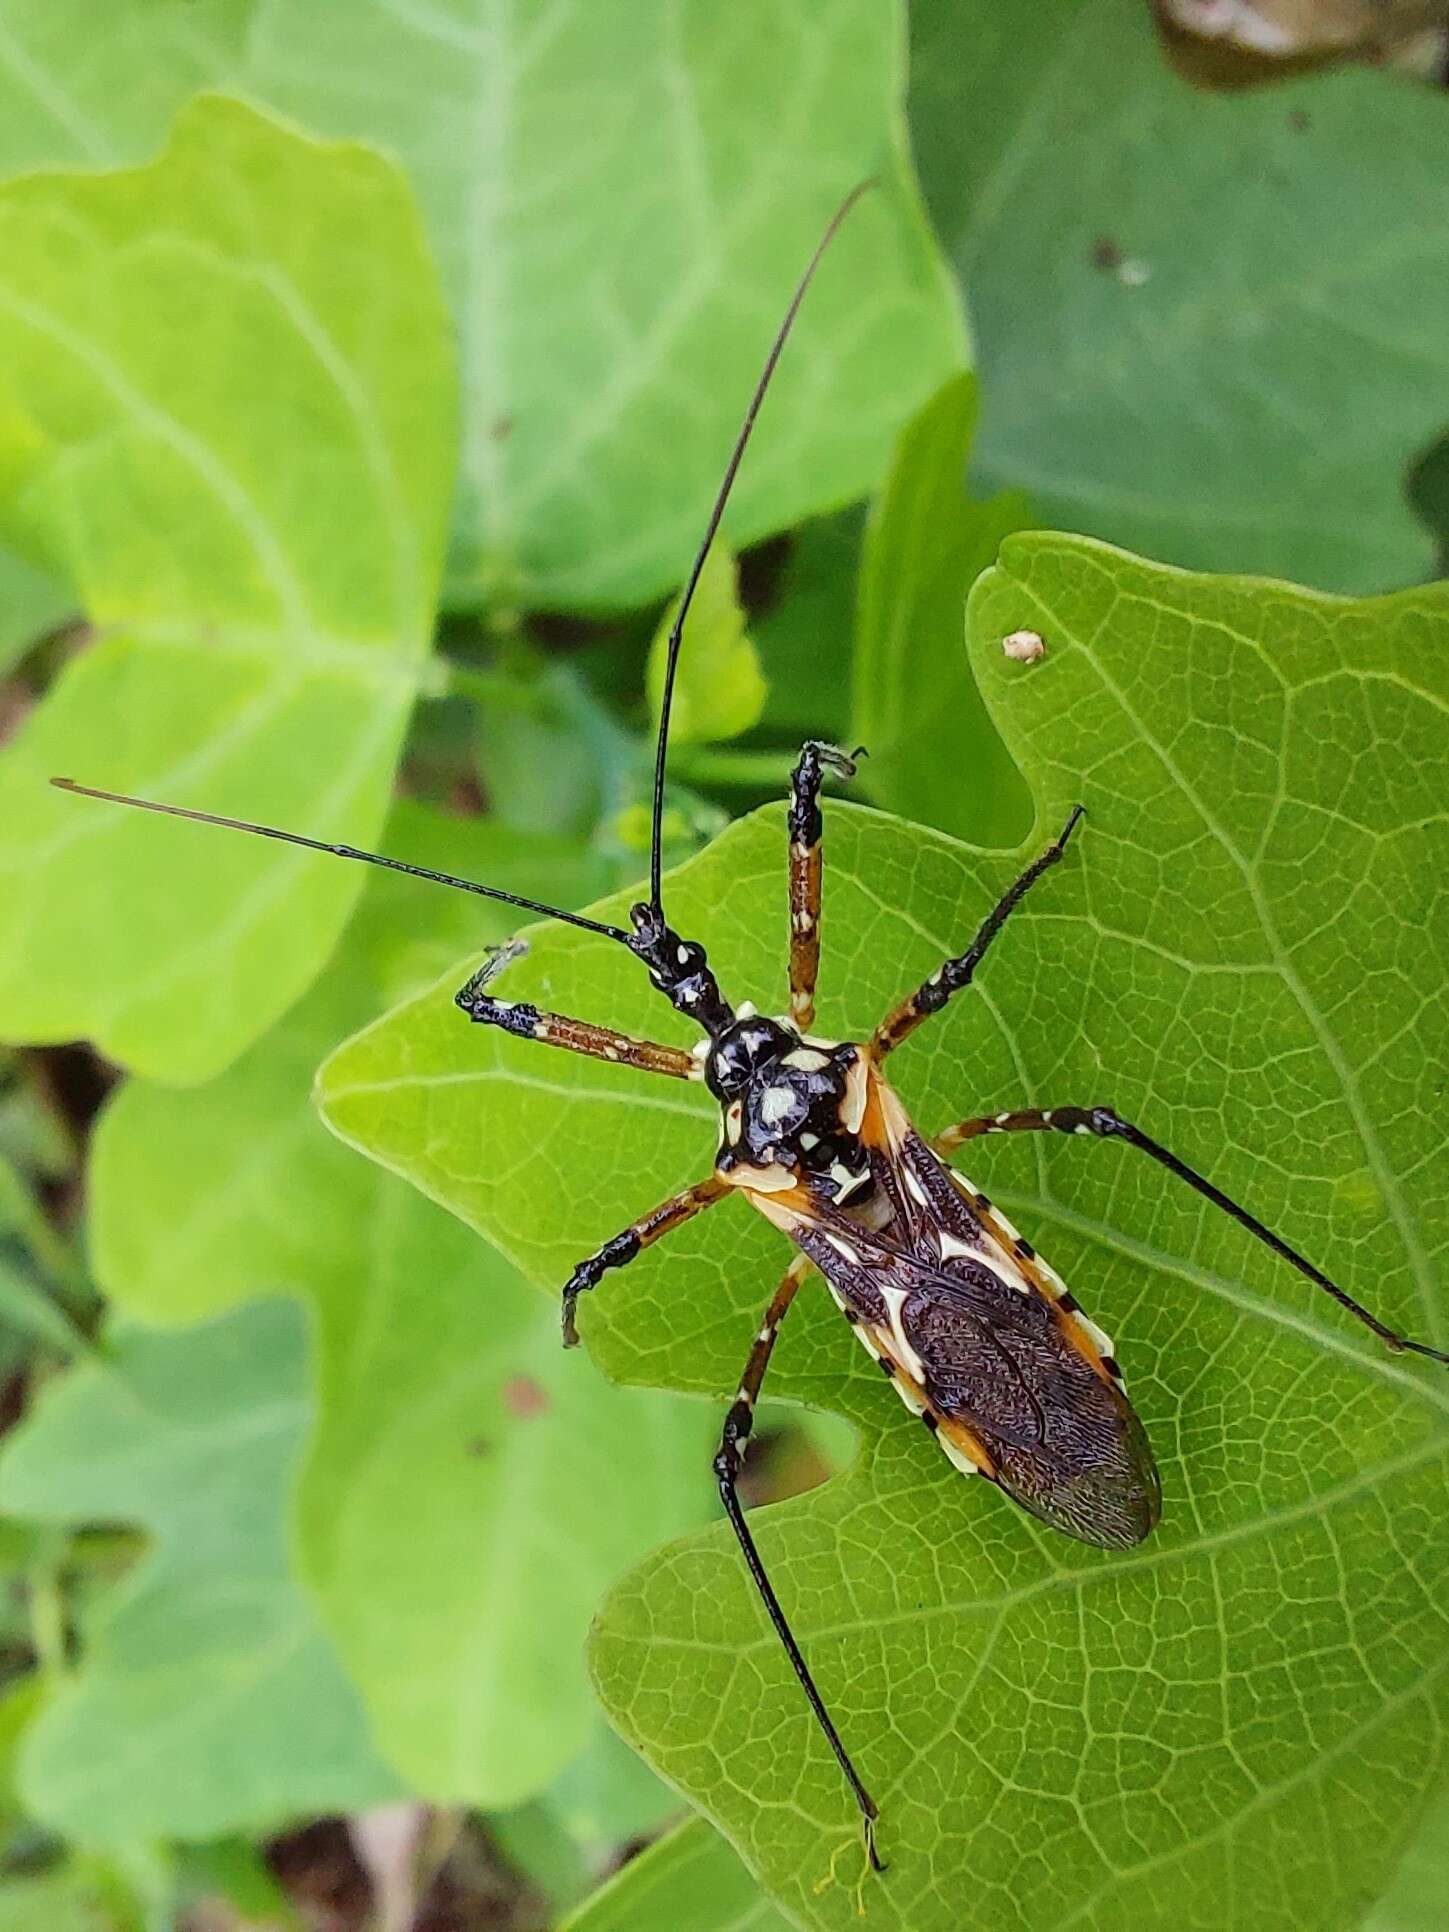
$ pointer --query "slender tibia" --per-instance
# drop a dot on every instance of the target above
(1106, 1124)
(527, 1022)
(806, 827)
(727, 1464)
(956, 974)
(622, 1248)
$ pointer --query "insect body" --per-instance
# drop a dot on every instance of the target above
(980, 1338)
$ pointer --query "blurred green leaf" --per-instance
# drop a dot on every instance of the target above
(620, 201)
(236, 444)
(236, 1872)
(206, 1699)
(934, 753)
(1209, 326)
(608, 1797)
(62, 1901)
(804, 637)
(1241, 1722)
(451, 1523)
(689, 1882)
(26, 1307)
(31, 604)
(719, 691)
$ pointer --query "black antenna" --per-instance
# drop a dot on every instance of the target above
(676, 633)
(345, 852)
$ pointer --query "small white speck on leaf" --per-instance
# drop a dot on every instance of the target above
(1024, 647)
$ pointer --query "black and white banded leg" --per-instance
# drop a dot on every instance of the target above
(526, 1022)
(956, 974)
(1106, 1124)
(806, 829)
(727, 1464)
(621, 1248)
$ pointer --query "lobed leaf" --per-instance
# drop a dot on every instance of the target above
(448, 1520)
(1237, 1725)
(208, 1699)
(234, 441)
(620, 201)
(1166, 346)
(688, 1881)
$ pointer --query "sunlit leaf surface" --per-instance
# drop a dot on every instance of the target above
(450, 1522)
(620, 199)
(235, 443)
(1237, 1725)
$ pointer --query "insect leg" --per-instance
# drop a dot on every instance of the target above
(526, 1022)
(727, 1463)
(956, 973)
(622, 1248)
(806, 828)
(1106, 1124)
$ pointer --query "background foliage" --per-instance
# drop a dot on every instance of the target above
(365, 374)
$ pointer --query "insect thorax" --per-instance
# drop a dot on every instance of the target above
(791, 1103)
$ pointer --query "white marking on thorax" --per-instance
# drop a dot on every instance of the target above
(776, 1103)
(765, 1180)
(810, 1059)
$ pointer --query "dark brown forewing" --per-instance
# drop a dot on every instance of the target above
(1065, 1441)
(1088, 1469)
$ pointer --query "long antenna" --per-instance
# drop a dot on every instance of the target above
(676, 633)
(345, 852)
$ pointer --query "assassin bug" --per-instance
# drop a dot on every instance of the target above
(980, 1338)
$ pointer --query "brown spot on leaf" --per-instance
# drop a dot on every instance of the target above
(524, 1397)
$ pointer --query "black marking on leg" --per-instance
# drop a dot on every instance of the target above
(955, 974)
(1107, 1124)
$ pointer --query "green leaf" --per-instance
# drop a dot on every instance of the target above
(30, 605)
(689, 1882)
(1228, 362)
(450, 1522)
(207, 1699)
(808, 624)
(620, 201)
(60, 1901)
(237, 448)
(720, 690)
(1238, 1724)
(934, 753)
